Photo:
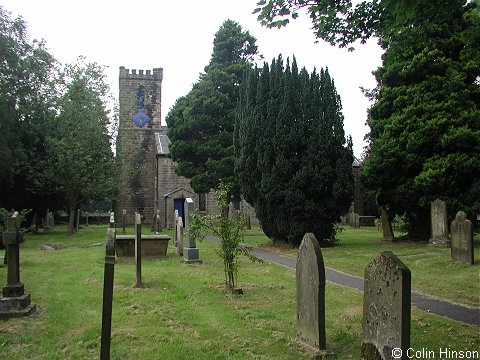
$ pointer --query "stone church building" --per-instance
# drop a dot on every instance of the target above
(148, 183)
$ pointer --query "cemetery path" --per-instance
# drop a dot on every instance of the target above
(464, 313)
(467, 314)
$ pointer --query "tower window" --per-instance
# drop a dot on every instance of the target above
(140, 98)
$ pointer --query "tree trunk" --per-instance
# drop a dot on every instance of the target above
(72, 206)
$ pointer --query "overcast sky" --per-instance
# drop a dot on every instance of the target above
(178, 36)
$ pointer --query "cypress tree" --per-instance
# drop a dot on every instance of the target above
(293, 162)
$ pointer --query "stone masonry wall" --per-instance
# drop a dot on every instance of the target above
(136, 147)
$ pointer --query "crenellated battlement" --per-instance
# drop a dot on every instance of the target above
(124, 73)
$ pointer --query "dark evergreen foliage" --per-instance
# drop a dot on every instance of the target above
(200, 124)
(425, 124)
(293, 162)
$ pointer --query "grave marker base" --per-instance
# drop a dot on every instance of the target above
(440, 243)
(191, 256)
(16, 306)
(315, 353)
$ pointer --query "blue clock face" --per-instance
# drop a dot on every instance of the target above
(140, 119)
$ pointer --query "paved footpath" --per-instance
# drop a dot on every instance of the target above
(463, 313)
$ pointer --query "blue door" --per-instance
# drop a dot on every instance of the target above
(178, 205)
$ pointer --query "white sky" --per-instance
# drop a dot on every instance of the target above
(178, 36)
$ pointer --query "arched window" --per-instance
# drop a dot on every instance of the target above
(141, 97)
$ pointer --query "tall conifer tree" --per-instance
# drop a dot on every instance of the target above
(200, 124)
(293, 161)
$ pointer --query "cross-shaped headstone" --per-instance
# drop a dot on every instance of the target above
(15, 302)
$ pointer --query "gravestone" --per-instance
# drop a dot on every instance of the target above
(386, 308)
(77, 225)
(179, 232)
(175, 234)
(439, 224)
(138, 250)
(191, 254)
(46, 221)
(124, 214)
(14, 302)
(386, 226)
(108, 291)
(310, 275)
(462, 239)
(356, 223)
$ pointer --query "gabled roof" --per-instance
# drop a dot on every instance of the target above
(162, 141)
(178, 190)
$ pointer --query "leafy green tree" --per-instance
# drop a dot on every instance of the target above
(27, 106)
(200, 124)
(230, 233)
(341, 23)
(425, 124)
(79, 143)
(293, 161)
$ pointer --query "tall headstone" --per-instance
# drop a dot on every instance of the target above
(78, 220)
(108, 291)
(356, 221)
(175, 234)
(386, 226)
(46, 226)
(138, 250)
(191, 254)
(14, 302)
(310, 274)
(386, 308)
(439, 224)
(462, 238)
(124, 214)
(179, 232)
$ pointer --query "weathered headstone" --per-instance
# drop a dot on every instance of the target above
(14, 302)
(175, 222)
(439, 224)
(158, 226)
(138, 250)
(356, 223)
(191, 254)
(310, 274)
(386, 226)
(46, 221)
(462, 238)
(108, 291)
(124, 214)
(179, 232)
(386, 308)
(78, 220)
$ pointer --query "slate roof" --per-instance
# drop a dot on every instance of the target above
(162, 141)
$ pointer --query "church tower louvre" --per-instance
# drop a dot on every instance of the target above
(140, 119)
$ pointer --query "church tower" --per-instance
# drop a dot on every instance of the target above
(140, 119)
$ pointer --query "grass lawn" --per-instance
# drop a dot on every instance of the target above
(433, 271)
(184, 311)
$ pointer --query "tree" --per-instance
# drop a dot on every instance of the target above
(200, 124)
(79, 144)
(293, 161)
(230, 233)
(27, 106)
(425, 123)
(340, 23)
